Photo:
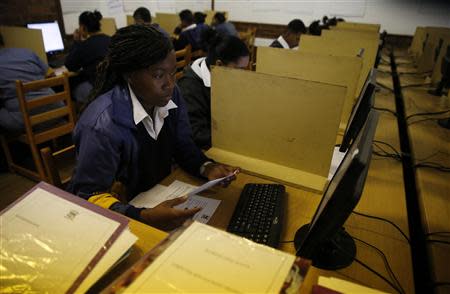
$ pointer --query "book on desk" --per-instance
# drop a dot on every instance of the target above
(55, 242)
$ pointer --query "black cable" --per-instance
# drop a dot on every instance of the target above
(386, 154)
(439, 241)
(385, 260)
(369, 268)
(385, 109)
(385, 220)
(439, 284)
(414, 73)
(427, 119)
(427, 113)
(384, 86)
(415, 85)
(433, 165)
(438, 233)
(390, 146)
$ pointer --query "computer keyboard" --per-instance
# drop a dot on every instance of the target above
(258, 213)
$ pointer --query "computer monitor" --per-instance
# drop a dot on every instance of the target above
(324, 240)
(359, 114)
(53, 42)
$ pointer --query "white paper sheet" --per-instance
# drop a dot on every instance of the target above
(335, 162)
(161, 193)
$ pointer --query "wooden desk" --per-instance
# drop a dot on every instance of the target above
(431, 143)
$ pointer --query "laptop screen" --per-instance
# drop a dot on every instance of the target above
(51, 34)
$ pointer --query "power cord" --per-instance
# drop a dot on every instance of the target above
(383, 153)
(384, 220)
(439, 241)
(369, 268)
(415, 85)
(385, 109)
(427, 113)
(385, 260)
(433, 165)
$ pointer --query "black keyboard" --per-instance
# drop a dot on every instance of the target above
(258, 213)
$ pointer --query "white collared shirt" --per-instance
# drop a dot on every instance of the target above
(152, 125)
(201, 69)
(192, 26)
(283, 42)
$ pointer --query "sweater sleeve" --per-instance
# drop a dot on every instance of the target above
(198, 107)
(74, 58)
(187, 154)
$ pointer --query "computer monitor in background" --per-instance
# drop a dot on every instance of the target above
(324, 240)
(359, 115)
(53, 42)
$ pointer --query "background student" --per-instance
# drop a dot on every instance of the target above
(143, 16)
(134, 127)
(19, 64)
(195, 85)
(291, 37)
(89, 48)
(189, 32)
(222, 26)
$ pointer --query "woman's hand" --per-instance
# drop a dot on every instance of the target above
(165, 217)
(216, 170)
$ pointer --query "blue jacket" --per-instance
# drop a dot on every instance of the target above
(107, 146)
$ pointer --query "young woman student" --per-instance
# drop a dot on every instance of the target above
(134, 126)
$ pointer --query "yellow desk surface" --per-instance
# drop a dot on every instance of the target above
(431, 143)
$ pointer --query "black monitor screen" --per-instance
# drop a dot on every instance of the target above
(52, 35)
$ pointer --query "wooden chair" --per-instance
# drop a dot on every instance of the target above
(60, 121)
(183, 59)
(248, 38)
(51, 168)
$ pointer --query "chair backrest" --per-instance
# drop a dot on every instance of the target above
(183, 59)
(60, 120)
(248, 38)
(51, 168)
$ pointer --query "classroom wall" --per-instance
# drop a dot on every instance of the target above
(396, 16)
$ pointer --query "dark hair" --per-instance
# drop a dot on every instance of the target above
(315, 28)
(199, 17)
(220, 17)
(143, 13)
(2, 43)
(224, 47)
(91, 20)
(132, 48)
(186, 15)
(296, 26)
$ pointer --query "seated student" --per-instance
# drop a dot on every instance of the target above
(89, 48)
(315, 28)
(195, 85)
(134, 126)
(222, 26)
(291, 37)
(143, 16)
(18, 64)
(189, 32)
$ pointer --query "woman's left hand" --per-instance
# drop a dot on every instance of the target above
(217, 170)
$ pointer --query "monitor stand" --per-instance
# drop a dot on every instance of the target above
(334, 254)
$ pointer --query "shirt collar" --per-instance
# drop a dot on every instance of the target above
(201, 69)
(283, 42)
(139, 113)
(192, 26)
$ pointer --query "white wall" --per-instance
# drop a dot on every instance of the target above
(395, 16)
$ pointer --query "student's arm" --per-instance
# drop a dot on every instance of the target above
(181, 42)
(75, 57)
(187, 154)
(98, 159)
(198, 106)
(43, 67)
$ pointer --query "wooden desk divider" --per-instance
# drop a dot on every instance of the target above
(167, 21)
(426, 61)
(337, 70)
(130, 20)
(437, 75)
(108, 25)
(417, 43)
(344, 44)
(17, 37)
(276, 127)
(357, 26)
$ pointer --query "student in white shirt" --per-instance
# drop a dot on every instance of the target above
(291, 37)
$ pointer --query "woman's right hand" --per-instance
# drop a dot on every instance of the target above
(77, 35)
(165, 217)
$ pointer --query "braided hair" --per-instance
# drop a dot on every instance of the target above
(91, 20)
(132, 48)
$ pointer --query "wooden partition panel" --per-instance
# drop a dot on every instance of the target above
(437, 76)
(279, 127)
(427, 60)
(357, 26)
(417, 43)
(17, 37)
(344, 44)
(338, 70)
(167, 21)
(108, 26)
